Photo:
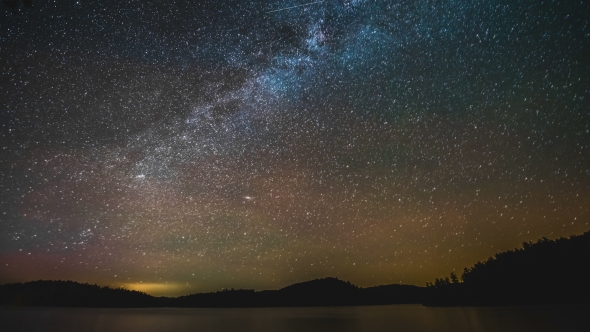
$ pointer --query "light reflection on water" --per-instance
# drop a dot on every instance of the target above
(372, 319)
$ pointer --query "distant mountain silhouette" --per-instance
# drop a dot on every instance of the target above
(325, 286)
(47, 293)
(328, 291)
(547, 271)
(318, 292)
(543, 272)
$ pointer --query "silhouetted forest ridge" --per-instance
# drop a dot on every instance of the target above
(548, 271)
(49, 293)
(319, 292)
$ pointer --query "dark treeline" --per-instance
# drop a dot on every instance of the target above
(318, 292)
(547, 271)
(48, 293)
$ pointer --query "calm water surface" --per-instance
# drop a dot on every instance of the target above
(372, 319)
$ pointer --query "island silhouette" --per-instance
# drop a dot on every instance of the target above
(543, 272)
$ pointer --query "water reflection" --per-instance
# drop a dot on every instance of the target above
(372, 319)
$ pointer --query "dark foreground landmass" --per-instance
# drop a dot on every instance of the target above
(319, 292)
(544, 272)
(539, 273)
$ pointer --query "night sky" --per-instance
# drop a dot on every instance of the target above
(176, 147)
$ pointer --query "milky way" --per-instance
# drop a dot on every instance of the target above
(176, 147)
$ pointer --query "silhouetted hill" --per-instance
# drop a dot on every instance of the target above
(328, 285)
(548, 271)
(46, 293)
(318, 292)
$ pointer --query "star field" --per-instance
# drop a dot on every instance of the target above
(178, 147)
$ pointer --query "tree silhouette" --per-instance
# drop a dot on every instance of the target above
(547, 271)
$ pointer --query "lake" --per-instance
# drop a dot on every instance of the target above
(370, 318)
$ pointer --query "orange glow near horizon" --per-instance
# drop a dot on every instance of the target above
(157, 289)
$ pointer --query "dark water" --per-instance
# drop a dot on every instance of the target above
(371, 319)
